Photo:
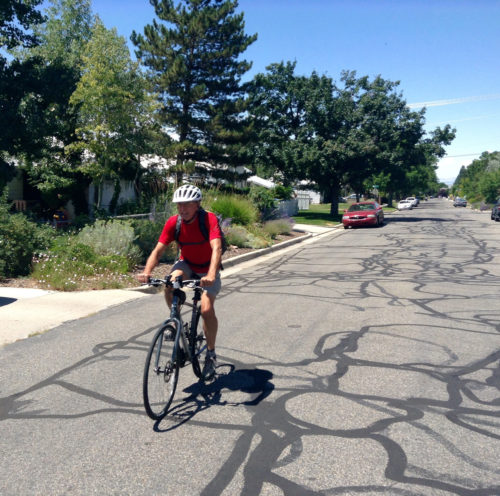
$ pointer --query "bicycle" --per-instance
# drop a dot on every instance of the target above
(172, 350)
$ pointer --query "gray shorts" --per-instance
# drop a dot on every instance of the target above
(212, 290)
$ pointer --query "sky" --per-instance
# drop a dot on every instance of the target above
(444, 53)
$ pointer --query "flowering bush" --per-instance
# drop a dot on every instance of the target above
(70, 265)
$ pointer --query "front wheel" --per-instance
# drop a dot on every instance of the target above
(161, 373)
(197, 346)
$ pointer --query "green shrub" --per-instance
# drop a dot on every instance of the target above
(146, 238)
(283, 192)
(236, 236)
(257, 242)
(115, 238)
(277, 226)
(247, 237)
(20, 238)
(240, 210)
(262, 198)
(67, 247)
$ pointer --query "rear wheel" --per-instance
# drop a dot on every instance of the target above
(160, 374)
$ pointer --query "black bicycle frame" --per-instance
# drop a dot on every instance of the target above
(187, 341)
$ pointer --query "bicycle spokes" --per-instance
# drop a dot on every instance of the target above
(161, 372)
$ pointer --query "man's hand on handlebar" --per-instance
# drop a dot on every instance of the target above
(143, 278)
(207, 281)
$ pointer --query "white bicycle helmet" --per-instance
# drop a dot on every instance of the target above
(187, 193)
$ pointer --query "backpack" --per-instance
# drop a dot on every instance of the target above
(202, 224)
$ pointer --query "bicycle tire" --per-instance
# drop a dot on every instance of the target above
(196, 347)
(158, 387)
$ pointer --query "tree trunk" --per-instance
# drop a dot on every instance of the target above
(334, 193)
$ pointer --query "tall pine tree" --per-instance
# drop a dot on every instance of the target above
(195, 66)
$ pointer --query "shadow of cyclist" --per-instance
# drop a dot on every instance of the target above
(254, 382)
(251, 381)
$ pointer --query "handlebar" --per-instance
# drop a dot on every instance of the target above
(176, 284)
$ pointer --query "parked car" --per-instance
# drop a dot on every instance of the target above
(363, 214)
(405, 205)
(460, 202)
(413, 200)
(495, 212)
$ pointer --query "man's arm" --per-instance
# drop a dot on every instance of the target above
(152, 262)
(209, 279)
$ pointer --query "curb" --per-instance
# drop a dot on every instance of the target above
(230, 262)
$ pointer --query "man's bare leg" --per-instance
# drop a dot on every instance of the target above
(210, 322)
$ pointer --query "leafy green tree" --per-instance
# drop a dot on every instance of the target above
(193, 53)
(422, 161)
(341, 135)
(47, 123)
(65, 33)
(115, 110)
(489, 186)
(277, 104)
(16, 20)
(480, 181)
(382, 138)
(294, 119)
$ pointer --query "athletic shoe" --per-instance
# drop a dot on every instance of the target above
(210, 366)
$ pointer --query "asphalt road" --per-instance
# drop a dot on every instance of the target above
(366, 362)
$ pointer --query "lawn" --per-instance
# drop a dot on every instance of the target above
(319, 215)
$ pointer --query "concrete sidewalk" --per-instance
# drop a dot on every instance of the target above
(26, 312)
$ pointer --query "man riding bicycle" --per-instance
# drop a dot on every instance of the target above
(199, 258)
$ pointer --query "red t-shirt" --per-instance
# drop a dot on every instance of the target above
(190, 233)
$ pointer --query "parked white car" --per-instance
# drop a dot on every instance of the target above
(413, 200)
(405, 204)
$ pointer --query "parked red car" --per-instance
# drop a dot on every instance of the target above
(368, 213)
